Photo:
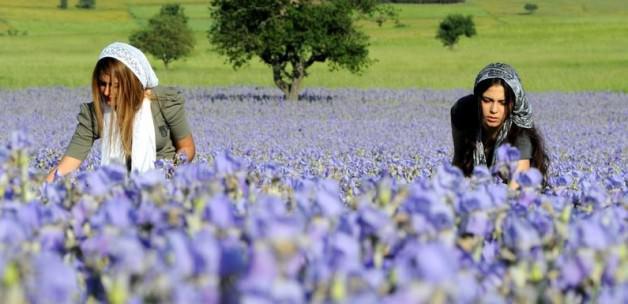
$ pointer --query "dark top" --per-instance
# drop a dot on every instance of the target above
(168, 117)
(465, 123)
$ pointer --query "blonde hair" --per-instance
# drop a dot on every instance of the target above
(128, 99)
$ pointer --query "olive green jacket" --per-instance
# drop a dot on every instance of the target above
(168, 116)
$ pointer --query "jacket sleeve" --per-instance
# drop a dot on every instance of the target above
(524, 144)
(463, 123)
(172, 106)
(84, 135)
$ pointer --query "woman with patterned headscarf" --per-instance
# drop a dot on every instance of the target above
(497, 112)
(137, 121)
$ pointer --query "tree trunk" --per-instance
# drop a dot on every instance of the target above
(290, 87)
(278, 79)
(295, 87)
(298, 72)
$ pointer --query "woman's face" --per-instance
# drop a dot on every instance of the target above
(108, 88)
(494, 107)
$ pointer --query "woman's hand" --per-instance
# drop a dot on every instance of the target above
(522, 165)
(186, 145)
(65, 166)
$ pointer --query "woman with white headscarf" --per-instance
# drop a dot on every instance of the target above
(497, 112)
(136, 120)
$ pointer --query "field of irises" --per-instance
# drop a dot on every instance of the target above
(344, 196)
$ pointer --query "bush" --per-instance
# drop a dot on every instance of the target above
(86, 4)
(63, 4)
(531, 7)
(454, 26)
(423, 1)
(167, 36)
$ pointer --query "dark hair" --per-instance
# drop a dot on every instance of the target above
(464, 161)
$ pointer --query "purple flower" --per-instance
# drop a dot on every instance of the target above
(482, 174)
(590, 234)
(149, 179)
(53, 281)
(54, 193)
(206, 254)
(574, 269)
(117, 211)
(436, 262)
(373, 221)
(441, 216)
(263, 268)
(11, 232)
(506, 161)
(219, 211)
(449, 177)
(498, 193)
(519, 234)
(490, 251)
(530, 178)
(233, 257)
(420, 200)
(507, 153)
(328, 199)
(100, 181)
(613, 294)
(345, 252)
(478, 199)
(29, 215)
(225, 163)
(477, 223)
(126, 255)
(52, 238)
(184, 293)
(183, 258)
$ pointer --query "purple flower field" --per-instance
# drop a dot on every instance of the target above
(344, 196)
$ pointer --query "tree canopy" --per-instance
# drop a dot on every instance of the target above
(454, 26)
(530, 7)
(167, 35)
(291, 35)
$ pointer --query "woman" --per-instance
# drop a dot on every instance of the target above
(136, 121)
(497, 112)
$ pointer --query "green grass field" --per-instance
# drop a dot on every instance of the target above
(567, 45)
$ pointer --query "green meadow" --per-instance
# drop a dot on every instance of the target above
(567, 45)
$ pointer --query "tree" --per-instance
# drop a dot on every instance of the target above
(291, 35)
(86, 4)
(167, 36)
(454, 26)
(63, 4)
(530, 7)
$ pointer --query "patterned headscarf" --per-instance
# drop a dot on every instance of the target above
(134, 59)
(521, 114)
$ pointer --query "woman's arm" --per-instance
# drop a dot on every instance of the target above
(186, 145)
(65, 166)
(522, 165)
(80, 144)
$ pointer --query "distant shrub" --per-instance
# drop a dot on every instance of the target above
(454, 26)
(13, 32)
(86, 4)
(63, 4)
(423, 1)
(167, 36)
(530, 7)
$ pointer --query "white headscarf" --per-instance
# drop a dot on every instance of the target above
(143, 148)
(134, 59)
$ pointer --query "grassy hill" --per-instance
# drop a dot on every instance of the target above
(567, 45)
